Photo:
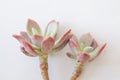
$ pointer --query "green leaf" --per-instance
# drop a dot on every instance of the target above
(52, 29)
(88, 49)
(82, 46)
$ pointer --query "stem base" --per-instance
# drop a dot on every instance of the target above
(77, 71)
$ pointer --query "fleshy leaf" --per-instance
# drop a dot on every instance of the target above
(19, 38)
(86, 39)
(62, 38)
(47, 44)
(96, 52)
(88, 49)
(75, 39)
(29, 48)
(70, 55)
(25, 36)
(52, 29)
(25, 52)
(37, 39)
(63, 44)
(33, 27)
(74, 46)
(94, 44)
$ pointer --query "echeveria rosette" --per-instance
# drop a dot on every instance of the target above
(34, 43)
(86, 49)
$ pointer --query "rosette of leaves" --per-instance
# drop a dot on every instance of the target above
(86, 49)
(34, 43)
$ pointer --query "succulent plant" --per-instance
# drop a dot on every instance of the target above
(86, 49)
(34, 43)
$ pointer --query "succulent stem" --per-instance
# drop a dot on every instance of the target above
(44, 66)
(77, 71)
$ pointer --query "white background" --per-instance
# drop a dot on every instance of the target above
(100, 17)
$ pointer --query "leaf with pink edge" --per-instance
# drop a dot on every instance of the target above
(96, 52)
(18, 37)
(52, 29)
(25, 52)
(74, 46)
(29, 48)
(63, 44)
(62, 38)
(25, 36)
(33, 27)
(86, 39)
(47, 44)
(37, 39)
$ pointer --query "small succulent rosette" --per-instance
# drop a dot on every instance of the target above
(86, 49)
(34, 43)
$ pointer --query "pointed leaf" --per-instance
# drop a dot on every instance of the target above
(29, 48)
(86, 39)
(63, 44)
(25, 52)
(70, 55)
(37, 39)
(97, 52)
(74, 38)
(74, 46)
(47, 44)
(33, 27)
(52, 29)
(62, 38)
(19, 38)
(25, 36)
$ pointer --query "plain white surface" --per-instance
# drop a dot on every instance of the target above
(100, 17)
